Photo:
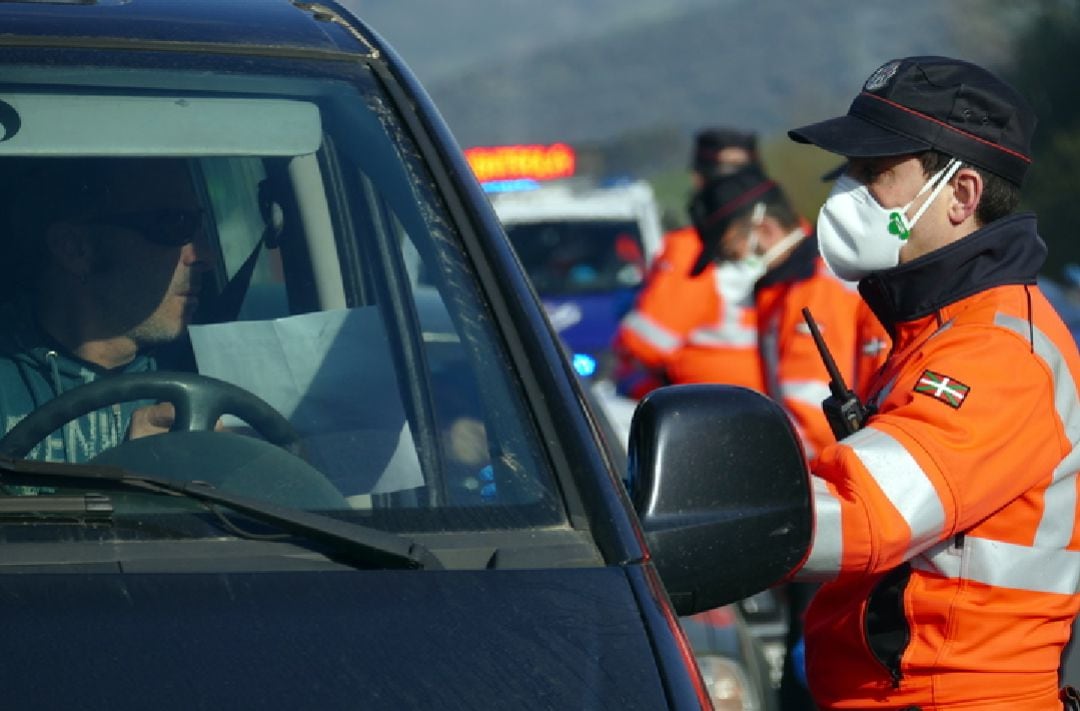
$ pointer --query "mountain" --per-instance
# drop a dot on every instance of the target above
(644, 71)
(441, 39)
(765, 64)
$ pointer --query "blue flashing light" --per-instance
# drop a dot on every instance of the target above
(616, 181)
(584, 365)
(510, 186)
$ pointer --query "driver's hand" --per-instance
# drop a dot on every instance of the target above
(155, 419)
(151, 420)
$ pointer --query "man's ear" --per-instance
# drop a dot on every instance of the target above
(967, 190)
(71, 248)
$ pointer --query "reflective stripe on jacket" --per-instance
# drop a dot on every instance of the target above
(947, 527)
(681, 326)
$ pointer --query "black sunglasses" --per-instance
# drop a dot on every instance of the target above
(171, 227)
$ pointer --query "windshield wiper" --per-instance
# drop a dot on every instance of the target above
(361, 545)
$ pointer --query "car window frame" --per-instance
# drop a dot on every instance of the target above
(605, 513)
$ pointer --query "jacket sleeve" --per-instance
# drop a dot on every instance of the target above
(802, 380)
(967, 428)
(669, 305)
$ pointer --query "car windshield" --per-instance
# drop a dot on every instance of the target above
(280, 232)
(564, 257)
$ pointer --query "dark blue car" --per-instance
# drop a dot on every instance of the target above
(379, 485)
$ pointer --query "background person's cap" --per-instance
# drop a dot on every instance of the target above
(709, 141)
(723, 200)
(921, 103)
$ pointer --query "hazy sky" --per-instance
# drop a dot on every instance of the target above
(439, 38)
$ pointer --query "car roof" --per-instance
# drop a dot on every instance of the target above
(627, 201)
(568, 201)
(265, 26)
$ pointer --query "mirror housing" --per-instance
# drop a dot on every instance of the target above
(720, 483)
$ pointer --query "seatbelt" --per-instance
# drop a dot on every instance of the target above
(228, 302)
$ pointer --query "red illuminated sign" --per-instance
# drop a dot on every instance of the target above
(522, 162)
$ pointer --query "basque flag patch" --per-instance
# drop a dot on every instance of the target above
(942, 387)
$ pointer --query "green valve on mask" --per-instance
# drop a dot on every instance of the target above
(897, 226)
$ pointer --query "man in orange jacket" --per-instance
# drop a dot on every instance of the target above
(692, 329)
(947, 527)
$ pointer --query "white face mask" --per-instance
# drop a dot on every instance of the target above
(735, 280)
(858, 236)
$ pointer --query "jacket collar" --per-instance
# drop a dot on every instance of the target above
(1007, 251)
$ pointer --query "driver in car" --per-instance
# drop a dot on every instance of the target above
(111, 254)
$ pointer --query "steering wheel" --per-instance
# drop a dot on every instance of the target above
(199, 401)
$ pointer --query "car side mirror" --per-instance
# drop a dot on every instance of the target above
(719, 480)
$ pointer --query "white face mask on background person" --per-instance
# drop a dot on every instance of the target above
(735, 280)
(858, 236)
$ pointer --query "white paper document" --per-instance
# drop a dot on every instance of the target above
(331, 374)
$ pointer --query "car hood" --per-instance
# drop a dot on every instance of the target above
(370, 639)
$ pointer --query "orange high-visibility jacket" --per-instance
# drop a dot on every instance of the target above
(795, 374)
(871, 349)
(947, 527)
(682, 327)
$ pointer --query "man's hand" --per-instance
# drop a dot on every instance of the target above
(151, 420)
(156, 419)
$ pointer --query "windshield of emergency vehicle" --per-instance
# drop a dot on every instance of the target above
(579, 256)
(248, 281)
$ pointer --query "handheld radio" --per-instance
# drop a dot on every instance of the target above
(843, 409)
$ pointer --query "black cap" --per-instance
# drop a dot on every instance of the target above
(723, 200)
(920, 103)
(709, 141)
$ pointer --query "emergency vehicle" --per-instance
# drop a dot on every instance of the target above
(586, 248)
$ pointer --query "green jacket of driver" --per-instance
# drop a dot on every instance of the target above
(34, 370)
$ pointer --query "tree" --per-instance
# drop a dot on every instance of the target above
(1047, 71)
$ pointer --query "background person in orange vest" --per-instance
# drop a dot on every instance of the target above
(745, 218)
(689, 329)
(946, 529)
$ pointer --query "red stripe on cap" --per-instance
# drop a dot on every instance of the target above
(738, 202)
(939, 122)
